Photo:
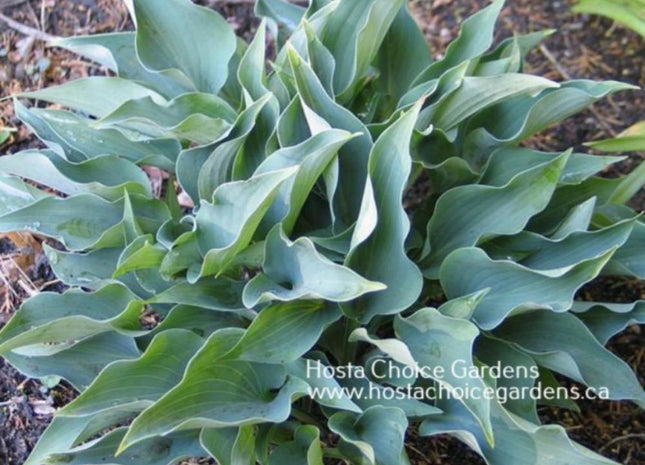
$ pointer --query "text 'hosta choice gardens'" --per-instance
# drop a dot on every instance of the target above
(307, 312)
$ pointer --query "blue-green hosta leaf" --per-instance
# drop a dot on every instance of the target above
(324, 390)
(281, 87)
(219, 294)
(106, 176)
(64, 433)
(305, 449)
(132, 230)
(16, 194)
(267, 437)
(493, 352)
(226, 225)
(74, 221)
(512, 444)
(562, 343)
(338, 244)
(507, 162)
(464, 215)
(578, 219)
(79, 363)
(353, 35)
(135, 384)
(567, 198)
(284, 16)
(502, 60)
(195, 319)
(509, 55)
(365, 394)
(514, 287)
(354, 155)
(92, 270)
(555, 448)
(83, 269)
(398, 70)
(230, 446)
(57, 318)
(605, 320)
(320, 59)
(513, 50)
(516, 119)
(204, 169)
(200, 118)
(100, 48)
(281, 82)
(296, 271)
(97, 95)
(609, 214)
(375, 437)
(517, 441)
(166, 450)
(251, 257)
(183, 254)
(251, 72)
(313, 157)
(541, 253)
(302, 323)
(76, 139)
(219, 393)
(436, 340)
(477, 93)
(147, 282)
(166, 39)
(463, 307)
(232, 90)
(378, 245)
(317, 5)
(293, 128)
(141, 254)
(435, 90)
(172, 230)
(260, 142)
(36, 120)
(475, 37)
(395, 349)
(117, 52)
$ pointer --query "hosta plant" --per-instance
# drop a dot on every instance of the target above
(347, 205)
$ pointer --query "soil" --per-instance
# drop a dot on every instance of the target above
(583, 47)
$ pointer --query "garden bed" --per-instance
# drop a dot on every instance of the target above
(583, 47)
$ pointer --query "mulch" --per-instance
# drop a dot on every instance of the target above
(583, 47)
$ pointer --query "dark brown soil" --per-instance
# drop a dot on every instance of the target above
(584, 47)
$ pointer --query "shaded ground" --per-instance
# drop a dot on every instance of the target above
(583, 47)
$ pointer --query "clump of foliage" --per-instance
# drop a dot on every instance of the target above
(303, 246)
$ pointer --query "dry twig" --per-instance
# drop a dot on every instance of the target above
(26, 30)
(622, 438)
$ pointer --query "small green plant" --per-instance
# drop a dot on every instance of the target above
(304, 263)
(631, 139)
(4, 135)
(630, 13)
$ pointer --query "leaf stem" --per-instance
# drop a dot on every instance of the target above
(349, 348)
(306, 418)
(334, 453)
